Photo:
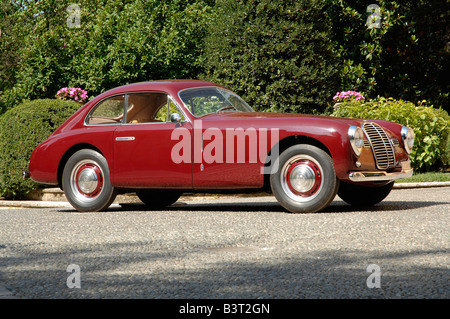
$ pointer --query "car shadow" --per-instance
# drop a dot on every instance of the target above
(337, 206)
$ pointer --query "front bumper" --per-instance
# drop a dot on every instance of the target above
(370, 176)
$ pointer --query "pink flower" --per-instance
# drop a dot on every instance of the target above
(76, 94)
(348, 95)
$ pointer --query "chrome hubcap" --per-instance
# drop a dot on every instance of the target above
(301, 178)
(86, 180)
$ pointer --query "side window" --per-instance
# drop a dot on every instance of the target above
(161, 114)
(144, 107)
(149, 108)
(110, 111)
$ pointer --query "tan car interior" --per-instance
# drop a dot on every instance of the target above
(142, 108)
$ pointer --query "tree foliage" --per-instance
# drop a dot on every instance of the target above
(113, 43)
(279, 55)
(9, 47)
(276, 54)
(394, 48)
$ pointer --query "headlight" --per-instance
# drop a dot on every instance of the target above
(408, 138)
(356, 137)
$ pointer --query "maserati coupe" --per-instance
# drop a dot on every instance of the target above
(161, 139)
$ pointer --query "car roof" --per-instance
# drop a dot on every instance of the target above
(169, 86)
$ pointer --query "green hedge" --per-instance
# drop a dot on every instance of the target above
(22, 128)
(431, 126)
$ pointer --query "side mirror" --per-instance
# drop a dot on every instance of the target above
(175, 118)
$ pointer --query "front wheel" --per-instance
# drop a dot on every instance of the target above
(358, 195)
(86, 181)
(305, 181)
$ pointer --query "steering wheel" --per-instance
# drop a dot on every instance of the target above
(225, 108)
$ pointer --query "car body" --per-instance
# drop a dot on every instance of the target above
(162, 138)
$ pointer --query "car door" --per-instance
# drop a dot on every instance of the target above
(143, 146)
(228, 155)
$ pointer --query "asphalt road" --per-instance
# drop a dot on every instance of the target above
(231, 248)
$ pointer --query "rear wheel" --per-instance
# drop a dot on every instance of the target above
(305, 181)
(358, 195)
(86, 181)
(155, 199)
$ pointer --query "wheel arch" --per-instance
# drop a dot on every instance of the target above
(289, 141)
(68, 154)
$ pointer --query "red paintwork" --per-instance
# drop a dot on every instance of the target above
(146, 163)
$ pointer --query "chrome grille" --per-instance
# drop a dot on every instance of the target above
(381, 145)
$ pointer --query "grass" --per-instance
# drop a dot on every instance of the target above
(426, 177)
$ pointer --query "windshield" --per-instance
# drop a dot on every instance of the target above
(201, 101)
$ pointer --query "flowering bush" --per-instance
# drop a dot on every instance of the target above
(69, 93)
(348, 95)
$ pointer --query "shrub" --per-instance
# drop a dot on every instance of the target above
(430, 125)
(22, 128)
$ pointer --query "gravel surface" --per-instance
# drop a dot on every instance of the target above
(231, 248)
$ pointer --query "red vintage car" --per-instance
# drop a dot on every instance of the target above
(162, 138)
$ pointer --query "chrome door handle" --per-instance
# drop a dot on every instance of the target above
(125, 138)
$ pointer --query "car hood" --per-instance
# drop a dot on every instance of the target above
(264, 115)
(287, 119)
